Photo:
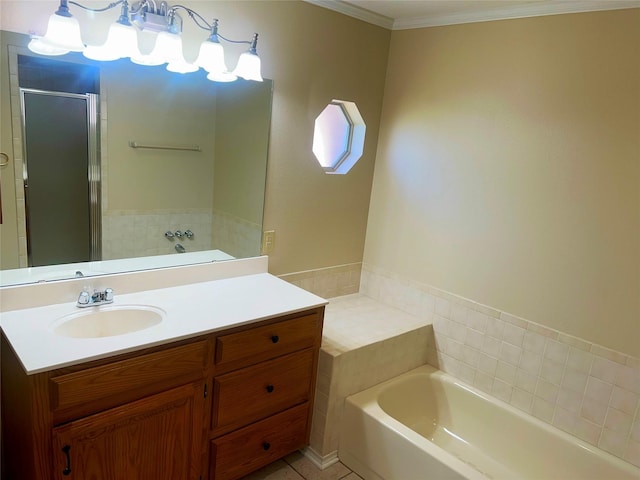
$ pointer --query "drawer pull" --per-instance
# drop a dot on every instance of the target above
(275, 338)
(67, 469)
(266, 445)
(270, 388)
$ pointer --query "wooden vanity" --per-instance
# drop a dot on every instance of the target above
(217, 406)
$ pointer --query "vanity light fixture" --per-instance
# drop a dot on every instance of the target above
(63, 36)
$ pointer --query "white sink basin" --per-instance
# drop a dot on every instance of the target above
(108, 321)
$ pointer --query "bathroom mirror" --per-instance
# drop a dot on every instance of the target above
(179, 176)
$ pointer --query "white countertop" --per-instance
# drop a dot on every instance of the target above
(191, 310)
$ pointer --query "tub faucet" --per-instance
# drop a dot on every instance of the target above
(86, 299)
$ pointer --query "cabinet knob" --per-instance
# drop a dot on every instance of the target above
(270, 388)
(275, 338)
(67, 469)
(266, 445)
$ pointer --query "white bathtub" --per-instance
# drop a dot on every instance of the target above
(426, 425)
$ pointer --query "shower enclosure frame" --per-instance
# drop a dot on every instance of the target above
(93, 168)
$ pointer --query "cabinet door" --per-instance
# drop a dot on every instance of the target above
(156, 438)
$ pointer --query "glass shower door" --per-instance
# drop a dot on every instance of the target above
(61, 197)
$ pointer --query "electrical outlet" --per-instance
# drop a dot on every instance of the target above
(268, 241)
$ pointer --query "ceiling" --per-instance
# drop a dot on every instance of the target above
(405, 14)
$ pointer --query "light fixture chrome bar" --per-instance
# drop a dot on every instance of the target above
(188, 148)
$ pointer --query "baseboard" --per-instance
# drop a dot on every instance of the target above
(320, 461)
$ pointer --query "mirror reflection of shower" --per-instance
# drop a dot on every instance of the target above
(61, 168)
(217, 188)
(63, 217)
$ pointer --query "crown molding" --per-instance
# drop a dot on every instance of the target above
(355, 12)
(515, 11)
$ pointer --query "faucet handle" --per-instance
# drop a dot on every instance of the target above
(108, 295)
(84, 298)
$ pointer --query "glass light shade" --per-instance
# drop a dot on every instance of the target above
(248, 67)
(211, 57)
(122, 42)
(38, 45)
(223, 77)
(182, 67)
(168, 48)
(64, 33)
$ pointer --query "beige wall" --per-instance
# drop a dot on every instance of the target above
(508, 169)
(313, 55)
(243, 116)
(156, 107)
(316, 55)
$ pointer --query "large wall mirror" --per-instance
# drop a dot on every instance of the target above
(117, 167)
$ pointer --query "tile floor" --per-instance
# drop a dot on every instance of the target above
(298, 467)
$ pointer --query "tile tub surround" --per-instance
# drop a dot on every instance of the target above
(328, 282)
(141, 233)
(582, 388)
(364, 343)
(238, 236)
(137, 233)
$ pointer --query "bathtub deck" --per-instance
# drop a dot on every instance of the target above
(355, 321)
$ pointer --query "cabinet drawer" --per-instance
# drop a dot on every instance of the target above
(262, 343)
(256, 392)
(250, 448)
(94, 389)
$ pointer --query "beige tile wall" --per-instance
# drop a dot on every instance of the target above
(140, 234)
(235, 236)
(580, 387)
(328, 282)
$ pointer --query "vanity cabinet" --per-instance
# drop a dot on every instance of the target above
(138, 415)
(263, 393)
(215, 407)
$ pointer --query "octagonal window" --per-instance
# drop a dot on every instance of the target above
(338, 137)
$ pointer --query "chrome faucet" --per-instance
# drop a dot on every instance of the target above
(86, 299)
